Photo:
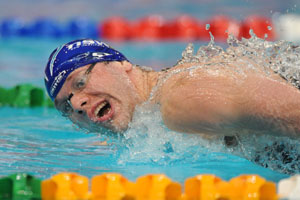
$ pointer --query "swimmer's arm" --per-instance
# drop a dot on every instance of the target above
(274, 107)
(200, 106)
(219, 105)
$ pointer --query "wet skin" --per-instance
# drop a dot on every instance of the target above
(220, 101)
(209, 101)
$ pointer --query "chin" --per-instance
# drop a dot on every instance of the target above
(117, 123)
(113, 126)
(119, 126)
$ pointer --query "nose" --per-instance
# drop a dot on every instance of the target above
(79, 102)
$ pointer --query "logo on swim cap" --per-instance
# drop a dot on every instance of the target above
(68, 57)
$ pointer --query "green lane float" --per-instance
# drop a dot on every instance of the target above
(24, 95)
(20, 186)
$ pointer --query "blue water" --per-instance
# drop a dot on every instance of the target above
(41, 142)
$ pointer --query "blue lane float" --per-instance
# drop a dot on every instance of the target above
(46, 27)
(82, 27)
(12, 27)
(49, 28)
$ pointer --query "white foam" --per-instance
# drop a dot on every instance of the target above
(149, 140)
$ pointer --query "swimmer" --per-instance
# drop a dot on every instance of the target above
(96, 86)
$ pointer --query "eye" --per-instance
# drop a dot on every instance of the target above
(79, 83)
(66, 108)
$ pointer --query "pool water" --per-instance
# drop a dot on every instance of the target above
(41, 142)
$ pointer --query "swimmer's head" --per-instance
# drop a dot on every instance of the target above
(94, 85)
(68, 57)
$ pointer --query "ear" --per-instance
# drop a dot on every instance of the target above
(127, 66)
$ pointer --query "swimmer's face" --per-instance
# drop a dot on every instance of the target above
(99, 95)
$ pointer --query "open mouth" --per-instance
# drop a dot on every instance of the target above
(103, 111)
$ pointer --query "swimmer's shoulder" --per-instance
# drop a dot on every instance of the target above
(178, 66)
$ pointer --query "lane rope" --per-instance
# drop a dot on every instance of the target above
(153, 27)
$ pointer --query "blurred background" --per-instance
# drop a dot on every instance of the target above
(135, 9)
(148, 32)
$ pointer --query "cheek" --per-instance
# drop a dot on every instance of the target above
(97, 85)
(112, 83)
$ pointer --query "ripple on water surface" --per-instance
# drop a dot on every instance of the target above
(40, 142)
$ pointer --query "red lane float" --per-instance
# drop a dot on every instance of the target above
(260, 26)
(115, 28)
(221, 26)
(185, 28)
(148, 28)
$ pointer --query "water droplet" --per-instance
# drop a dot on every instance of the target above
(212, 38)
(251, 32)
(269, 28)
(266, 36)
(207, 27)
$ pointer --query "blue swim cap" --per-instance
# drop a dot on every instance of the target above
(68, 57)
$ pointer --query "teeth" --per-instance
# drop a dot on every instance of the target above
(100, 107)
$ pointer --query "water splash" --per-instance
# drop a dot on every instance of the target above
(149, 140)
(281, 57)
(277, 153)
